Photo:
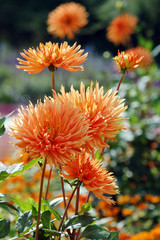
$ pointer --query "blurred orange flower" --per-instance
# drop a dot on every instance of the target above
(102, 111)
(147, 59)
(124, 236)
(122, 199)
(142, 236)
(135, 199)
(155, 233)
(142, 205)
(127, 61)
(127, 212)
(121, 28)
(47, 131)
(90, 172)
(52, 56)
(67, 19)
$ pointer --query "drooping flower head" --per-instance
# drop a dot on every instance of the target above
(127, 61)
(121, 28)
(147, 59)
(95, 178)
(52, 55)
(52, 130)
(102, 111)
(67, 19)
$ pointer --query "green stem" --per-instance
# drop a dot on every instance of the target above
(120, 82)
(40, 196)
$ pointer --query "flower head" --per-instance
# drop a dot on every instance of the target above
(50, 130)
(102, 111)
(127, 61)
(124, 236)
(52, 56)
(67, 19)
(121, 28)
(147, 59)
(142, 236)
(95, 178)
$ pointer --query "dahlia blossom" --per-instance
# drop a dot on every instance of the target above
(67, 19)
(51, 130)
(126, 61)
(121, 28)
(52, 56)
(102, 111)
(147, 59)
(95, 178)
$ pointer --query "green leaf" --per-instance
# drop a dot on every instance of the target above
(5, 172)
(24, 221)
(53, 232)
(34, 212)
(113, 235)
(46, 218)
(2, 130)
(86, 207)
(27, 166)
(15, 169)
(99, 156)
(54, 212)
(4, 227)
(95, 232)
(78, 222)
(56, 201)
(24, 206)
(2, 120)
(4, 203)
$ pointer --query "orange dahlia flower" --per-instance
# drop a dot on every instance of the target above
(67, 19)
(147, 59)
(95, 178)
(124, 236)
(52, 56)
(127, 61)
(121, 28)
(155, 232)
(142, 236)
(52, 130)
(102, 111)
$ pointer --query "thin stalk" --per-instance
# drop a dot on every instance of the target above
(77, 201)
(89, 194)
(53, 82)
(76, 209)
(79, 230)
(63, 192)
(49, 177)
(40, 196)
(120, 82)
(66, 208)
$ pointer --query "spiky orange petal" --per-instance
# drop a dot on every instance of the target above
(51, 54)
(102, 111)
(95, 178)
(50, 130)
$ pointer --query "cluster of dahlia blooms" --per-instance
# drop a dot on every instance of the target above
(68, 19)
(68, 128)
